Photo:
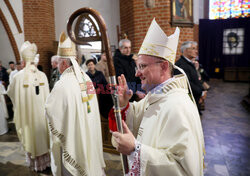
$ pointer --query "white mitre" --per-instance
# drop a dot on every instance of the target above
(28, 51)
(67, 49)
(157, 43)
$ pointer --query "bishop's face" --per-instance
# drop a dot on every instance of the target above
(62, 65)
(149, 71)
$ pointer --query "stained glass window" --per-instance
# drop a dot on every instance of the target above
(223, 9)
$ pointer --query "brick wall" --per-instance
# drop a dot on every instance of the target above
(39, 27)
(196, 33)
(127, 18)
(136, 18)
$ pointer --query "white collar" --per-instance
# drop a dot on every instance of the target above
(187, 59)
(157, 88)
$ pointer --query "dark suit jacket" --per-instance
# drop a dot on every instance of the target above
(126, 65)
(192, 75)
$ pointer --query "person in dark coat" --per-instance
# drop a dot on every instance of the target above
(202, 74)
(100, 83)
(4, 76)
(189, 51)
(96, 76)
(125, 64)
(54, 74)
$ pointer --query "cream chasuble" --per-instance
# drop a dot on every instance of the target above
(169, 133)
(75, 128)
(28, 92)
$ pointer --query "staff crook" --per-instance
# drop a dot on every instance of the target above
(102, 26)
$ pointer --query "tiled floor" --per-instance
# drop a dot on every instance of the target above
(226, 126)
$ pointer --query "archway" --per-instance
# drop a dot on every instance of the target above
(4, 25)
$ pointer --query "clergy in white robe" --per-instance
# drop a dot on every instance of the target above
(14, 72)
(166, 124)
(28, 92)
(3, 111)
(74, 120)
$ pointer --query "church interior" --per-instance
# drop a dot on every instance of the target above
(219, 27)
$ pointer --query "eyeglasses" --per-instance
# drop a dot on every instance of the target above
(141, 67)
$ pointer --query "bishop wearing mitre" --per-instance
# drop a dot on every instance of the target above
(28, 92)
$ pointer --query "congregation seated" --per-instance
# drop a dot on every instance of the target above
(202, 75)
(189, 51)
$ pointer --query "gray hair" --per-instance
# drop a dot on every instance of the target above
(186, 45)
(123, 41)
(54, 58)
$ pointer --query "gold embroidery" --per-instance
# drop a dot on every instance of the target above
(140, 131)
(83, 86)
(154, 45)
(117, 111)
(87, 98)
(180, 82)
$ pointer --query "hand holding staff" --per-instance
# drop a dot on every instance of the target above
(111, 68)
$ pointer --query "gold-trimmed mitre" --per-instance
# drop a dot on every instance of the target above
(157, 43)
(66, 48)
(28, 51)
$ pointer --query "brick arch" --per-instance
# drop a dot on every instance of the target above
(13, 14)
(10, 35)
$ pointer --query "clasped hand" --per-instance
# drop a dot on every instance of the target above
(125, 143)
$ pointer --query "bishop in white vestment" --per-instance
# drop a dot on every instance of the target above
(166, 124)
(74, 120)
(28, 92)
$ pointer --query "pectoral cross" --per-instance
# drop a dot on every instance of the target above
(37, 90)
(36, 87)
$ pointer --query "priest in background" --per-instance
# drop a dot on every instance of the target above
(28, 92)
(74, 119)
